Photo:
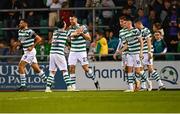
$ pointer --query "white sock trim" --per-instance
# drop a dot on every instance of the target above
(40, 73)
(51, 74)
(72, 75)
(65, 73)
(22, 75)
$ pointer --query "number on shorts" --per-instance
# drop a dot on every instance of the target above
(84, 59)
(138, 62)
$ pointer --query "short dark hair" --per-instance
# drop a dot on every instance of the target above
(73, 15)
(128, 19)
(60, 24)
(157, 25)
(122, 17)
(137, 21)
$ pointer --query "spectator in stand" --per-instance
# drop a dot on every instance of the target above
(165, 11)
(11, 19)
(153, 18)
(53, 16)
(4, 49)
(92, 48)
(107, 14)
(65, 14)
(92, 51)
(159, 45)
(130, 6)
(14, 51)
(112, 44)
(102, 46)
(143, 4)
(92, 3)
(156, 5)
(143, 18)
(118, 3)
(81, 14)
(157, 27)
(173, 30)
(33, 17)
(29, 15)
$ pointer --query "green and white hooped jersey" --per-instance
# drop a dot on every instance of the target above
(26, 37)
(58, 42)
(122, 34)
(132, 38)
(78, 44)
(146, 34)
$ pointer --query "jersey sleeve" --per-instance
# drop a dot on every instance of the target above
(32, 33)
(68, 32)
(147, 34)
(19, 38)
(138, 33)
(85, 29)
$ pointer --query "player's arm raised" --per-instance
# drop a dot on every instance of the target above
(86, 36)
(81, 32)
(84, 33)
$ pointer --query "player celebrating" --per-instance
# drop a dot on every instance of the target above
(148, 55)
(28, 38)
(134, 44)
(122, 33)
(79, 34)
(57, 57)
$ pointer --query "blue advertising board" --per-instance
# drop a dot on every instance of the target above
(10, 80)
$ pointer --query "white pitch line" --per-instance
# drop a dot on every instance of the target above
(25, 98)
(45, 97)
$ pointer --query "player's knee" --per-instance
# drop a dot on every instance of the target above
(138, 72)
(20, 68)
(150, 69)
(86, 68)
(72, 69)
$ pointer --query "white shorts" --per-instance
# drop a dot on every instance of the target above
(124, 60)
(74, 57)
(146, 61)
(133, 60)
(57, 61)
(29, 56)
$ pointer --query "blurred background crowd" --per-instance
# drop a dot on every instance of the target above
(160, 16)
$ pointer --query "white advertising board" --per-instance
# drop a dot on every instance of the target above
(111, 75)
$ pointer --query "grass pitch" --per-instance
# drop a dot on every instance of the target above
(90, 101)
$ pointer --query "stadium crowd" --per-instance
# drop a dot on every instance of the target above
(157, 15)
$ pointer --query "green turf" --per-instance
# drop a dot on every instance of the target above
(90, 101)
